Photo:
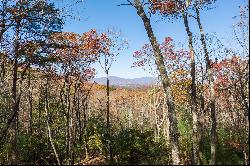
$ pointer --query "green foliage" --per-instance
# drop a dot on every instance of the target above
(133, 147)
(96, 136)
(4, 149)
(185, 129)
(33, 150)
(225, 154)
(129, 146)
(112, 88)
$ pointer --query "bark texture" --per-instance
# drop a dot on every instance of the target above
(174, 133)
(211, 90)
(195, 130)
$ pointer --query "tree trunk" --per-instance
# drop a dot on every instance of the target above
(77, 121)
(79, 116)
(85, 104)
(15, 112)
(40, 110)
(211, 90)
(15, 103)
(202, 120)
(3, 20)
(46, 106)
(195, 137)
(69, 119)
(30, 105)
(108, 120)
(174, 133)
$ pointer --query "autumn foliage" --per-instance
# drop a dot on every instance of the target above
(53, 112)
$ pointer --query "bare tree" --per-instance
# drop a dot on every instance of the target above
(166, 82)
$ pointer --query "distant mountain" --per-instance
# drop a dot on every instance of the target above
(117, 81)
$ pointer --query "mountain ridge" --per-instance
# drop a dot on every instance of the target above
(119, 81)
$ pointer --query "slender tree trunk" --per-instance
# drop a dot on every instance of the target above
(3, 20)
(15, 111)
(30, 105)
(195, 137)
(174, 133)
(69, 119)
(107, 104)
(211, 90)
(85, 122)
(2, 31)
(77, 130)
(85, 103)
(72, 151)
(246, 156)
(202, 120)
(142, 110)
(15, 105)
(3, 58)
(108, 119)
(155, 123)
(40, 109)
(46, 106)
(79, 115)
(246, 119)
(243, 97)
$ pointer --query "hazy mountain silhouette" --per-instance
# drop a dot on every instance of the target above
(118, 81)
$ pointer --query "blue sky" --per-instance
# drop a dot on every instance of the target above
(105, 14)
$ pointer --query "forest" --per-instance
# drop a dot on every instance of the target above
(53, 113)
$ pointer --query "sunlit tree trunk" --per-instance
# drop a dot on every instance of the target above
(69, 118)
(245, 104)
(195, 137)
(46, 106)
(85, 107)
(202, 119)
(211, 90)
(174, 133)
(30, 103)
(40, 108)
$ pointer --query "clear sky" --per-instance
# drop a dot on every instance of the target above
(105, 14)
